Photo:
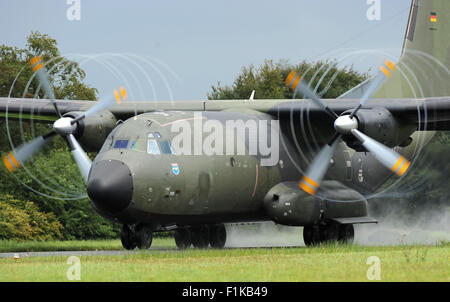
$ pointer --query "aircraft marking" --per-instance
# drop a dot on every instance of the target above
(175, 169)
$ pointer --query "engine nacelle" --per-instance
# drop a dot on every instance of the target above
(92, 131)
(379, 124)
(287, 204)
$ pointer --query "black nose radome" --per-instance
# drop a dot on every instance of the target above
(110, 185)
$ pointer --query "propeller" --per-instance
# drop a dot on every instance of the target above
(346, 125)
(41, 73)
(64, 126)
(295, 82)
(103, 104)
(383, 73)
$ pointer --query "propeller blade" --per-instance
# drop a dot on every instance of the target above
(42, 75)
(83, 161)
(388, 157)
(104, 103)
(384, 72)
(15, 159)
(295, 82)
(316, 171)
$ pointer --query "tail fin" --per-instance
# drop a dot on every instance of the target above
(425, 62)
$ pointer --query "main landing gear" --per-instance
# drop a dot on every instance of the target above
(140, 236)
(328, 233)
(201, 237)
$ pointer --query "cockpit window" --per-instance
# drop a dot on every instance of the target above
(166, 147)
(121, 144)
(152, 147)
(108, 144)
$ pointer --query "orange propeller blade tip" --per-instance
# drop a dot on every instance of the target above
(390, 65)
(35, 60)
(117, 96)
(11, 165)
(307, 188)
(385, 71)
(123, 92)
(290, 77)
(401, 166)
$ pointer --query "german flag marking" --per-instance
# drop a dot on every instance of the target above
(433, 17)
(290, 77)
(403, 168)
(35, 60)
(385, 71)
(310, 181)
(294, 85)
(8, 164)
(123, 92)
(37, 67)
(397, 164)
(117, 96)
(307, 188)
(390, 65)
(13, 160)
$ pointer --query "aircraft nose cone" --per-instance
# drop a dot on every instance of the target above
(110, 185)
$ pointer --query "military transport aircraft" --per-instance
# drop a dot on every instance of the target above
(146, 180)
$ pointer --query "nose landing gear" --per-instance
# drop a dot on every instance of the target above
(128, 238)
(140, 236)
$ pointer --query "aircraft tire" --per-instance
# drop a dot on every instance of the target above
(311, 235)
(329, 233)
(346, 233)
(183, 239)
(127, 238)
(320, 234)
(144, 236)
(200, 237)
(217, 236)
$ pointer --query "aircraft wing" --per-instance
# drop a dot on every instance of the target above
(43, 110)
(426, 113)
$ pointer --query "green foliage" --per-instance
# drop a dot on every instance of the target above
(22, 220)
(65, 75)
(268, 81)
(53, 166)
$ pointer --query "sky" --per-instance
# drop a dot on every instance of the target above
(177, 50)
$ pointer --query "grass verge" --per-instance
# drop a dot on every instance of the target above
(324, 263)
(72, 245)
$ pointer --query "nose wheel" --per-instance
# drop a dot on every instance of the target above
(140, 236)
(128, 238)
